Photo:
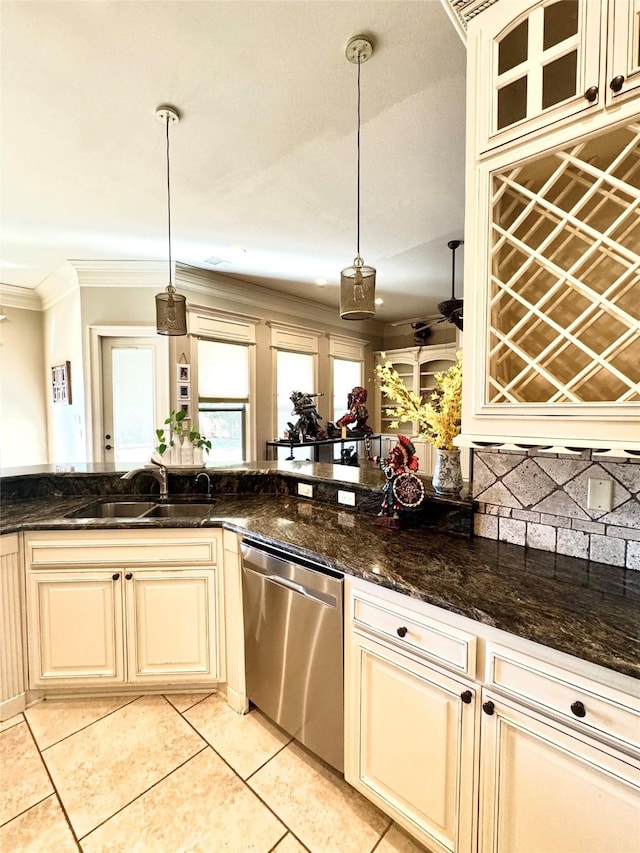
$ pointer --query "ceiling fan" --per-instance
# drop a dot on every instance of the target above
(451, 309)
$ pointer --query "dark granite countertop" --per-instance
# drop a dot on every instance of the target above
(581, 608)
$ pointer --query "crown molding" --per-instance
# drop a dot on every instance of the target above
(19, 297)
(217, 286)
(127, 273)
(61, 282)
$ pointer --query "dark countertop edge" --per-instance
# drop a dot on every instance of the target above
(240, 524)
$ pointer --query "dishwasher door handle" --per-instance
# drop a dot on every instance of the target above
(292, 586)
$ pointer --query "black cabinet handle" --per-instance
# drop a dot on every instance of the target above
(488, 708)
(616, 84)
(116, 577)
(578, 709)
(401, 631)
(466, 697)
(591, 94)
(128, 576)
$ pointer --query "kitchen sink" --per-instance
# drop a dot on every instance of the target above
(179, 510)
(113, 509)
(142, 509)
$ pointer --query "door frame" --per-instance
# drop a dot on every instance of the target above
(95, 413)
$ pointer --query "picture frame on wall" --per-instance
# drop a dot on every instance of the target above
(184, 392)
(184, 373)
(184, 407)
(61, 383)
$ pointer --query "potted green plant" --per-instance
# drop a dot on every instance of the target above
(171, 442)
(200, 443)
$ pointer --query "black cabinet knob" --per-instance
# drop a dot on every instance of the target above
(116, 577)
(488, 707)
(128, 576)
(616, 84)
(466, 697)
(591, 94)
(108, 447)
(401, 631)
(108, 437)
(578, 709)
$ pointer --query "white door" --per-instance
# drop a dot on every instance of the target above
(134, 398)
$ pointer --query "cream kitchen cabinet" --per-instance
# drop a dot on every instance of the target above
(447, 720)
(411, 725)
(560, 761)
(123, 607)
(552, 323)
(12, 646)
(538, 64)
(544, 788)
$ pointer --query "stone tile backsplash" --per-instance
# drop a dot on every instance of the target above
(540, 500)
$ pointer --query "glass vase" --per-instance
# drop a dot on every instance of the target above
(447, 473)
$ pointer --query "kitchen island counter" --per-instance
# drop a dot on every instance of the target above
(581, 608)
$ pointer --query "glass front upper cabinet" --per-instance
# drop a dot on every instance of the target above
(542, 67)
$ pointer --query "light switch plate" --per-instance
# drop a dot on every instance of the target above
(305, 490)
(599, 494)
(347, 498)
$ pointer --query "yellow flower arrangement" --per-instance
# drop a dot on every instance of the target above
(439, 417)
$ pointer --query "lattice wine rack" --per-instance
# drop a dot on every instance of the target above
(565, 275)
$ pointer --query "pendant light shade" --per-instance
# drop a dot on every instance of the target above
(171, 307)
(358, 282)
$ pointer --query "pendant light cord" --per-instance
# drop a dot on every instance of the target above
(358, 170)
(169, 206)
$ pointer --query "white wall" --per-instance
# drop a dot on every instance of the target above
(63, 342)
(23, 417)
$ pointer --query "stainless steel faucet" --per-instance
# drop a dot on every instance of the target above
(208, 479)
(158, 472)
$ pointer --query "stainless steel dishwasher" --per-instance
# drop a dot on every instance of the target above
(293, 647)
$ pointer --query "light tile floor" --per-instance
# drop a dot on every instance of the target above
(157, 774)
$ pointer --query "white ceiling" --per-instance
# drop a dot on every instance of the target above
(265, 153)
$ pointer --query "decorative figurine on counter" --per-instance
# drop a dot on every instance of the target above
(402, 489)
(357, 413)
(307, 427)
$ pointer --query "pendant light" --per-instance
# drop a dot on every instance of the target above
(171, 308)
(358, 282)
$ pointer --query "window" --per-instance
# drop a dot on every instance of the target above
(346, 376)
(223, 398)
(295, 371)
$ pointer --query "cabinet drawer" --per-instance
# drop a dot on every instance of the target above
(126, 547)
(598, 709)
(421, 635)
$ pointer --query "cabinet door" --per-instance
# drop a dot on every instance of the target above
(543, 789)
(623, 68)
(543, 66)
(410, 744)
(171, 625)
(75, 628)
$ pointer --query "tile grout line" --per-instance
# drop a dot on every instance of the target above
(146, 791)
(87, 726)
(245, 781)
(53, 785)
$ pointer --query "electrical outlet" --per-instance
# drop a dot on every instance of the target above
(599, 494)
(346, 498)
(305, 490)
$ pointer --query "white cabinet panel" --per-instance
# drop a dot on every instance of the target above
(75, 628)
(171, 625)
(543, 789)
